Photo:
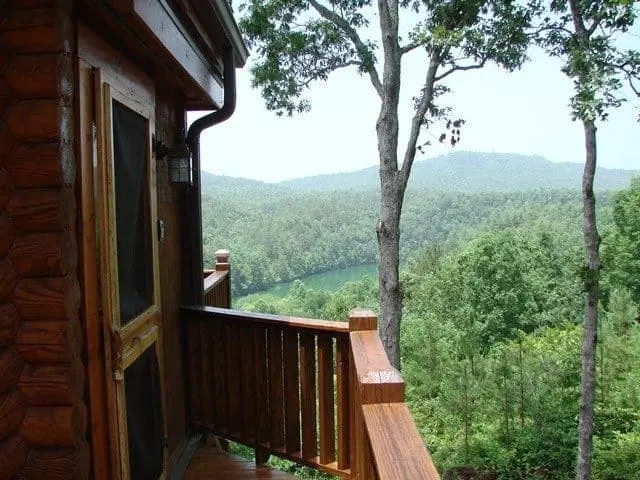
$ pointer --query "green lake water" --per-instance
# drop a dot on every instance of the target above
(327, 281)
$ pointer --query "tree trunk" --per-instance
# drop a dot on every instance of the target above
(391, 184)
(388, 232)
(592, 274)
(521, 367)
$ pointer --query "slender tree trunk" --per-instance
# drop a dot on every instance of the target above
(592, 274)
(388, 232)
(507, 406)
(466, 415)
(391, 184)
(521, 365)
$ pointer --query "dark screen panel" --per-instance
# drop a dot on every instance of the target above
(144, 417)
(135, 266)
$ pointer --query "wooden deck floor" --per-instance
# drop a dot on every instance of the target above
(210, 463)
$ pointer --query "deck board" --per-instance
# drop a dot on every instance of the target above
(210, 463)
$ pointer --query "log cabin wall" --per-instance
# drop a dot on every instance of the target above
(42, 411)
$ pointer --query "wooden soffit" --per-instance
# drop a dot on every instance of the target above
(180, 42)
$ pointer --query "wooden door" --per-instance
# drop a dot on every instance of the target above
(126, 204)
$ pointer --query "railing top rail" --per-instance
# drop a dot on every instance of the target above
(213, 279)
(398, 450)
(235, 316)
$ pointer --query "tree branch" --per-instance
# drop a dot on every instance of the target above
(350, 32)
(409, 47)
(456, 68)
(631, 74)
(558, 28)
(333, 68)
(578, 23)
(596, 22)
(350, 63)
(418, 117)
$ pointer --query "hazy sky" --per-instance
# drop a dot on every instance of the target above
(521, 112)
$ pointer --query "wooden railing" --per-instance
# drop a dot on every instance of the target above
(217, 282)
(320, 393)
(277, 384)
(385, 440)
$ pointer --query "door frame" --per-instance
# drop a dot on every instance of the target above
(103, 75)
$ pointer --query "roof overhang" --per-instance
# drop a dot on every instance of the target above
(222, 10)
(184, 38)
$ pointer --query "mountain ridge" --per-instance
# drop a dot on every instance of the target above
(457, 171)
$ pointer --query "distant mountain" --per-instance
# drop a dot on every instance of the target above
(220, 183)
(476, 172)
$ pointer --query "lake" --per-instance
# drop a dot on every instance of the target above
(329, 281)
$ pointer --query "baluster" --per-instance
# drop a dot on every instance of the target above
(193, 372)
(233, 377)
(308, 395)
(326, 400)
(276, 389)
(262, 381)
(207, 380)
(246, 379)
(343, 400)
(292, 391)
(262, 396)
(218, 342)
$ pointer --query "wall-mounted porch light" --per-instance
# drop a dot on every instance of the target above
(178, 162)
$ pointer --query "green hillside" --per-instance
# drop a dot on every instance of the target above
(477, 172)
(280, 237)
(493, 305)
(284, 231)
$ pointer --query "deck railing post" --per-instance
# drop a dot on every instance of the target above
(362, 319)
(223, 264)
(222, 260)
(361, 457)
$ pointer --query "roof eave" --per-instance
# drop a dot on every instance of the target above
(223, 12)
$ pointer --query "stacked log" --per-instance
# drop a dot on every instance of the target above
(43, 418)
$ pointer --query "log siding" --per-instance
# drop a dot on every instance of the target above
(43, 416)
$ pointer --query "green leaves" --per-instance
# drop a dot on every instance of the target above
(299, 42)
(622, 245)
(296, 46)
(589, 44)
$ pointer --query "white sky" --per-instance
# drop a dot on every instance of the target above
(522, 112)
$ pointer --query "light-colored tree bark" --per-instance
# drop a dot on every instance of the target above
(590, 328)
(584, 35)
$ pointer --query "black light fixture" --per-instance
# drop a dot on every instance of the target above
(178, 162)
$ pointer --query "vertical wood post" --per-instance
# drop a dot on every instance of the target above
(222, 260)
(361, 457)
(223, 264)
(345, 417)
(362, 319)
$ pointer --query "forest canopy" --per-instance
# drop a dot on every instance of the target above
(493, 312)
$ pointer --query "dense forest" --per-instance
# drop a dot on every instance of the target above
(292, 234)
(280, 232)
(493, 309)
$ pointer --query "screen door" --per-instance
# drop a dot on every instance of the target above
(129, 281)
